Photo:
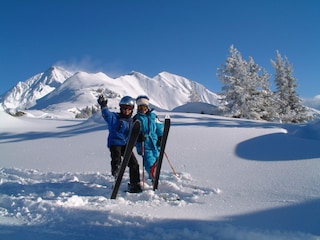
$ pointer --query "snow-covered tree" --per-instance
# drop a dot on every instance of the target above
(289, 105)
(194, 96)
(246, 88)
(233, 75)
(88, 111)
(260, 104)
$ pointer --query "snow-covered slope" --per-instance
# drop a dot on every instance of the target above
(237, 179)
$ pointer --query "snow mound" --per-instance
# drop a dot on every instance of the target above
(198, 107)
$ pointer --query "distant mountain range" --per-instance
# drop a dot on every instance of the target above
(59, 91)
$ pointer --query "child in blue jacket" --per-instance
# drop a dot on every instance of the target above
(148, 144)
(119, 125)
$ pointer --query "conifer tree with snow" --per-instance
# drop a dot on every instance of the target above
(262, 98)
(233, 74)
(194, 96)
(247, 91)
(289, 105)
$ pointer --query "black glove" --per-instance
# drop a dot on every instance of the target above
(141, 138)
(159, 141)
(102, 101)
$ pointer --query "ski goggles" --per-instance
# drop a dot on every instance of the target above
(126, 107)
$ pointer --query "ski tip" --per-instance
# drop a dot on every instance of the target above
(167, 116)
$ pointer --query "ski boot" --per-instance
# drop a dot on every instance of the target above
(134, 188)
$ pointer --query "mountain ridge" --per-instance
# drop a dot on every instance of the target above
(56, 89)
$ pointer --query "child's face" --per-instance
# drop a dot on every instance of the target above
(143, 109)
(126, 110)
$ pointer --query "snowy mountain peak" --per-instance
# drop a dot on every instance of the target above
(57, 74)
(25, 94)
(138, 74)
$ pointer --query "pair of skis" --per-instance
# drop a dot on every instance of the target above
(135, 131)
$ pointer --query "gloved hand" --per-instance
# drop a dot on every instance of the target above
(141, 138)
(159, 141)
(102, 101)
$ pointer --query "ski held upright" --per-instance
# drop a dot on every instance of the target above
(167, 123)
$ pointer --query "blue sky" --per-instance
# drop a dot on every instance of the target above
(190, 38)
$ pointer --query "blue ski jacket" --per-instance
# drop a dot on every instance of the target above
(119, 127)
(152, 128)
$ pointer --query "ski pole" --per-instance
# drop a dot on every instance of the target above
(174, 172)
(142, 151)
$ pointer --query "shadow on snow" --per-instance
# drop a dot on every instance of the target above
(69, 131)
(279, 223)
(278, 147)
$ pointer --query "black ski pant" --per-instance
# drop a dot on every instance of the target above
(116, 153)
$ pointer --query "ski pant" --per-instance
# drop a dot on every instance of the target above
(116, 153)
(149, 158)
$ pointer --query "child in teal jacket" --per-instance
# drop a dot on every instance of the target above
(148, 144)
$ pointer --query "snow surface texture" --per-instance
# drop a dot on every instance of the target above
(237, 179)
